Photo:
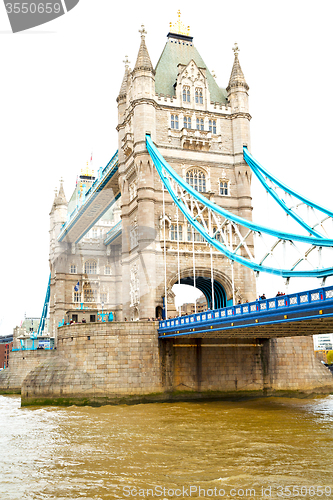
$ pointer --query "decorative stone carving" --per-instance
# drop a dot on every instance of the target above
(134, 234)
(134, 285)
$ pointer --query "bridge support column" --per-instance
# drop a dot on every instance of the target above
(265, 365)
(167, 364)
(198, 363)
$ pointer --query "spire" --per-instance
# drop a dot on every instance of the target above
(143, 61)
(61, 194)
(59, 197)
(237, 78)
(123, 88)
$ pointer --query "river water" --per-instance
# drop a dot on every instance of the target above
(262, 448)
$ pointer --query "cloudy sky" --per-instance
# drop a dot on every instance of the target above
(59, 84)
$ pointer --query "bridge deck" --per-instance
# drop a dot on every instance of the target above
(305, 313)
(100, 197)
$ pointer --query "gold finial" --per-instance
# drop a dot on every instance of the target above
(87, 172)
(179, 28)
(235, 49)
(143, 31)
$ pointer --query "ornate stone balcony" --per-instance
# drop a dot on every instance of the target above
(195, 139)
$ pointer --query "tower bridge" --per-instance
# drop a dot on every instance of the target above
(174, 206)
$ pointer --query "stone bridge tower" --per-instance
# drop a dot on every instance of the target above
(200, 129)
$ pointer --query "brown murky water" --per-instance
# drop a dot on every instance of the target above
(228, 449)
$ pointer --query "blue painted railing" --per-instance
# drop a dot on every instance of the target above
(259, 307)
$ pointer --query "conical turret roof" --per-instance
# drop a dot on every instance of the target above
(237, 78)
(143, 60)
(123, 88)
(60, 197)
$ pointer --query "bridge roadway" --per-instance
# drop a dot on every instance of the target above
(296, 314)
(103, 193)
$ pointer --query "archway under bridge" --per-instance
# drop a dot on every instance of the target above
(208, 289)
(221, 288)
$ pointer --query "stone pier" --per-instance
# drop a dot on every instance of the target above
(125, 362)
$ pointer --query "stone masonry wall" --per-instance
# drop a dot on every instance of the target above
(98, 363)
(286, 364)
(21, 363)
(105, 363)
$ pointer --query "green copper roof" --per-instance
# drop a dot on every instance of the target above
(178, 51)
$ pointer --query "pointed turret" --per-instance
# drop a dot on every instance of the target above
(143, 61)
(143, 78)
(59, 197)
(237, 88)
(123, 88)
(239, 103)
(237, 78)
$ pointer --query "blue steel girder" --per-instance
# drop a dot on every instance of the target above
(103, 193)
(303, 313)
(306, 255)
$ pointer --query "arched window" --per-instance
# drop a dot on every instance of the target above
(197, 179)
(174, 121)
(198, 96)
(73, 269)
(200, 124)
(187, 122)
(212, 126)
(224, 188)
(186, 94)
(174, 234)
(90, 267)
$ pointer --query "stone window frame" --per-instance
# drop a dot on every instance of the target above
(90, 294)
(224, 187)
(174, 233)
(199, 95)
(200, 124)
(197, 172)
(174, 122)
(107, 270)
(198, 238)
(73, 269)
(186, 93)
(76, 297)
(187, 122)
(104, 297)
(212, 126)
(90, 266)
